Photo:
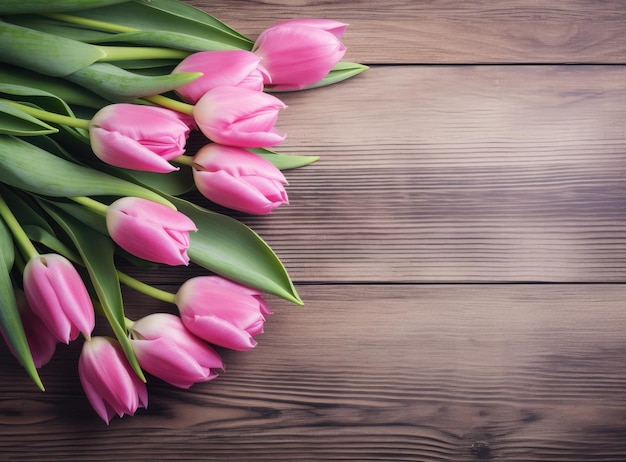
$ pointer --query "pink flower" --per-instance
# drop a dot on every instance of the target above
(238, 116)
(57, 294)
(138, 137)
(238, 179)
(300, 52)
(110, 384)
(166, 349)
(224, 68)
(222, 312)
(150, 230)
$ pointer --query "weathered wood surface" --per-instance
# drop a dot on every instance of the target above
(446, 196)
(409, 372)
(453, 31)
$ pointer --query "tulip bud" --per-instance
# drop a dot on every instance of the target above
(238, 179)
(222, 68)
(167, 350)
(150, 230)
(238, 116)
(300, 52)
(138, 137)
(222, 312)
(57, 294)
(111, 386)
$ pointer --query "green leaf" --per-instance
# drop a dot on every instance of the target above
(9, 312)
(49, 240)
(26, 166)
(168, 39)
(117, 84)
(231, 249)
(18, 123)
(39, 6)
(60, 28)
(24, 210)
(40, 98)
(170, 16)
(7, 247)
(67, 91)
(342, 71)
(285, 161)
(173, 184)
(97, 251)
(44, 53)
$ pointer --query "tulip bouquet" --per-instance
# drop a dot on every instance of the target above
(98, 99)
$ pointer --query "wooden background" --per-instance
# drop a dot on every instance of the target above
(460, 247)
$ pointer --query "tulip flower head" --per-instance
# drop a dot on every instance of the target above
(300, 52)
(167, 350)
(150, 230)
(111, 386)
(138, 137)
(238, 179)
(58, 296)
(221, 68)
(240, 117)
(222, 312)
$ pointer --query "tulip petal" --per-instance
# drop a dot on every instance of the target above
(166, 360)
(219, 332)
(233, 68)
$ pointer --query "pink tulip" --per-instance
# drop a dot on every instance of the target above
(166, 349)
(300, 52)
(227, 68)
(238, 116)
(111, 386)
(238, 179)
(222, 312)
(57, 294)
(150, 230)
(138, 137)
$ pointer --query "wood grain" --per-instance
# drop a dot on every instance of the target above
(457, 173)
(449, 31)
(380, 373)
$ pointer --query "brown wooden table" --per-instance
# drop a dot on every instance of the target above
(460, 248)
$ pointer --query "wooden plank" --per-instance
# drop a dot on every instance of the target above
(401, 372)
(457, 173)
(453, 31)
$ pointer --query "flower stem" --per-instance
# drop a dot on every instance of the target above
(131, 53)
(184, 160)
(91, 203)
(170, 104)
(91, 23)
(49, 116)
(146, 289)
(16, 229)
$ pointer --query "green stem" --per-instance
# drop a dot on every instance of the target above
(16, 229)
(128, 323)
(184, 160)
(131, 53)
(170, 104)
(91, 23)
(146, 289)
(90, 203)
(49, 116)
